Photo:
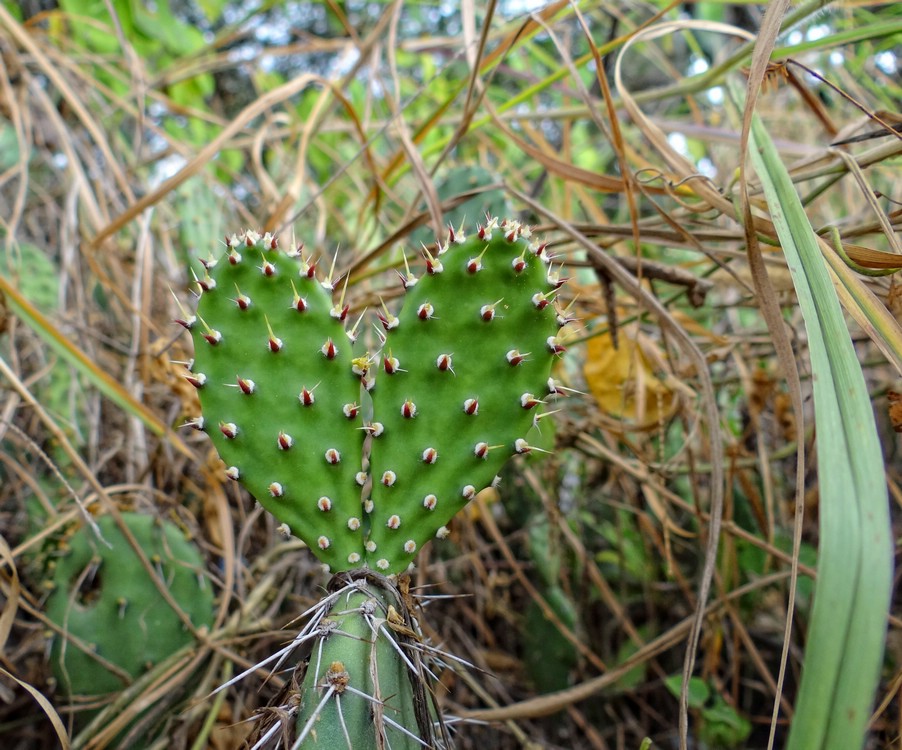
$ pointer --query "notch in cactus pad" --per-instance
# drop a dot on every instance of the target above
(463, 375)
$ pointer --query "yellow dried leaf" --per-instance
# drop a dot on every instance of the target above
(624, 384)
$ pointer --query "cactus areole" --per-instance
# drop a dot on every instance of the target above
(458, 387)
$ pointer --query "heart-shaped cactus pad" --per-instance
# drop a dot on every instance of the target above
(367, 456)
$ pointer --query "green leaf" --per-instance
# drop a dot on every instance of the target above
(699, 692)
(848, 623)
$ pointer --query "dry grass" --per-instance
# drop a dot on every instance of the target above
(112, 185)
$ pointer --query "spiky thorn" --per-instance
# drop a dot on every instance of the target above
(242, 300)
(556, 389)
(270, 241)
(519, 263)
(528, 401)
(360, 366)
(554, 347)
(213, 337)
(298, 302)
(487, 312)
(251, 237)
(542, 415)
(206, 284)
(563, 317)
(208, 263)
(328, 283)
(407, 278)
(306, 396)
(457, 236)
(388, 320)
(296, 252)
(391, 364)
(555, 280)
(353, 332)
(484, 232)
(275, 344)
(481, 449)
(246, 385)
(187, 320)
(474, 265)
(197, 423)
(521, 447)
(433, 264)
(340, 311)
(515, 358)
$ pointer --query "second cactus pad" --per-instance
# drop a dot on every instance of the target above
(457, 389)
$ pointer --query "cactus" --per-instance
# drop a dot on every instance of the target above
(103, 596)
(462, 375)
(355, 685)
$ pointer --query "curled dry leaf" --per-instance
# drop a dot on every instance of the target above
(624, 384)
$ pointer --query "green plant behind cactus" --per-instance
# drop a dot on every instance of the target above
(104, 597)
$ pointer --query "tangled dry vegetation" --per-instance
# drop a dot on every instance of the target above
(362, 129)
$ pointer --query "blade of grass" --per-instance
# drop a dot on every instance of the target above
(848, 622)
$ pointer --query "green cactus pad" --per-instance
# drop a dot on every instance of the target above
(463, 376)
(104, 596)
(279, 395)
(473, 353)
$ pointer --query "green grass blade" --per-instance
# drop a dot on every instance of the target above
(848, 623)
